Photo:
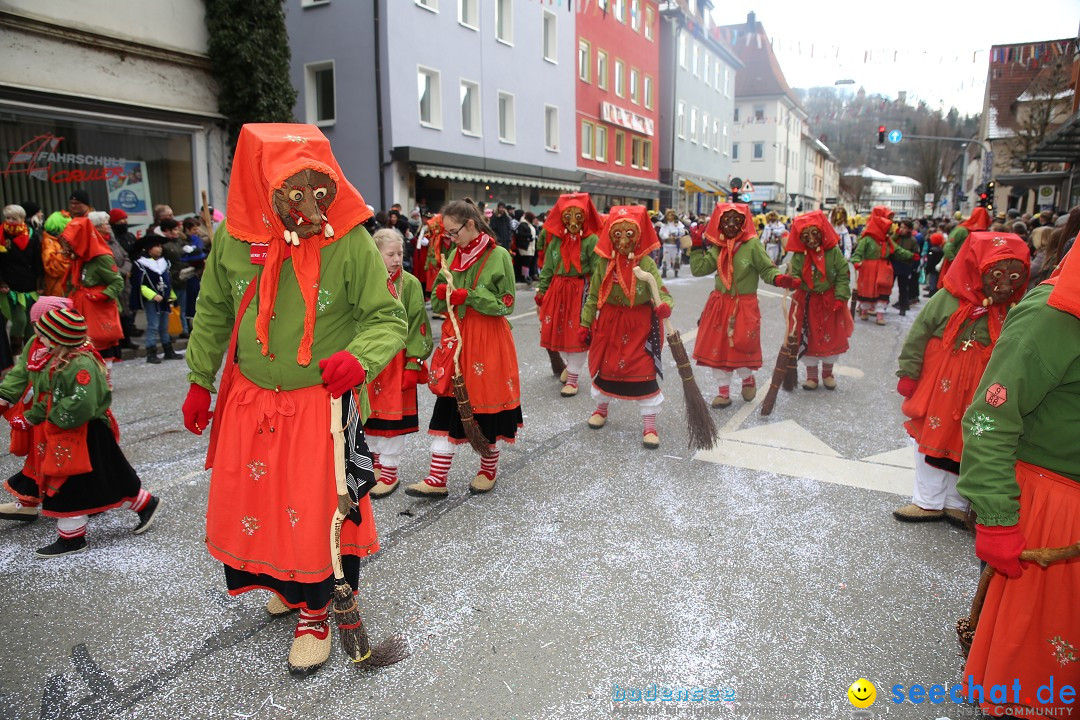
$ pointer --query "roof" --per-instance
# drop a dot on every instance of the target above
(761, 76)
(1062, 145)
(874, 175)
(1008, 81)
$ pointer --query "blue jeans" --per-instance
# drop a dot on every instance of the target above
(181, 302)
(157, 325)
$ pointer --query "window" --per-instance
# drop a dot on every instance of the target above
(680, 118)
(727, 79)
(723, 146)
(507, 124)
(587, 130)
(635, 15)
(620, 147)
(682, 51)
(468, 14)
(634, 96)
(584, 60)
(432, 5)
(759, 151)
(693, 124)
(646, 154)
(504, 21)
(470, 108)
(647, 92)
(321, 105)
(620, 82)
(705, 130)
(705, 74)
(430, 94)
(759, 113)
(736, 117)
(716, 76)
(648, 23)
(551, 37)
(694, 58)
(619, 8)
(734, 152)
(600, 148)
(637, 146)
(601, 69)
(551, 128)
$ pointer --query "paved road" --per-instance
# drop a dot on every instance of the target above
(768, 570)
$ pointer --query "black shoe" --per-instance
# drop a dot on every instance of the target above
(897, 305)
(137, 332)
(146, 515)
(171, 354)
(63, 547)
(153, 359)
(126, 344)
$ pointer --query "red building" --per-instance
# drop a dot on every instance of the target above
(618, 68)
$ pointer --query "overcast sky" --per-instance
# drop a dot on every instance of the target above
(933, 41)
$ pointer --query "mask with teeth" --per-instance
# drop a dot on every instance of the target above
(302, 201)
(1002, 279)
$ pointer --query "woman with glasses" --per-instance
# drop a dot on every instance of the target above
(483, 297)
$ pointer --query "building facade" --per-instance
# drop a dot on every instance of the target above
(901, 193)
(485, 109)
(698, 97)
(617, 95)
(80, 112)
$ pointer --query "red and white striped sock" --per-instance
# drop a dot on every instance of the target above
(749, 382)
(724, 391)
(72, 534)
(826, 369)
(490, 465)
(601, 409)
(388, 474)
(375, 461)
(811, 373)
(440, 468)
(19, 502)
(140, 500)
(650, 423)
(313, 622)
(571, 379)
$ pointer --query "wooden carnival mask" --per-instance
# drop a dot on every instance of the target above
(811, 237)
(573, 219)
(731, 224)
(301, 203)
(1002, 279)
(624, 236)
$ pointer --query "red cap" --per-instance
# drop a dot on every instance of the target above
(116, 215)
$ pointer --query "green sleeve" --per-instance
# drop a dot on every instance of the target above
(496, 291)
(419, 344)
(13, 386)
(217, 313)
(899, 253)
(101, 270)
(547, 272)
(702, 261)
(588, 254)
(649, 265)
(76, 404)
(929, 323)
(842, 283)
(541, 242)
(795, 266)
(859, 254)
(588, 310)
(148, 292)
(381, 322)
(956, 239)
(761, 262)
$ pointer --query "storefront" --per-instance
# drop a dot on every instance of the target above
(435, 185)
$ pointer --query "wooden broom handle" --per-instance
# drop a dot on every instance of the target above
(647, 278)
(452, 312)
(337, 431)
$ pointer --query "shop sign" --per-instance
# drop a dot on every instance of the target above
(627, 119)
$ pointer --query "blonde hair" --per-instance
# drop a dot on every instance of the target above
(1040, 237)
(16, 210)
(386, 235)
(62, 355)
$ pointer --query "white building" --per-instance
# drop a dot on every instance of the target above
(898, 192)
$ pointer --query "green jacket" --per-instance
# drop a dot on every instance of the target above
(355, 312)
(1035, 367)
(836, 273)
(553, 264)
(76, 399)
(930, 323)
(956, 240)
(418, 344)
(492, 285)
(750, 262)
(642, 293)
(869, 249)
(101, 270)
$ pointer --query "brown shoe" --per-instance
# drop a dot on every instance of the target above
(650, 440)
(381, 489)
(17, 511)
(749, 392)
(912, 513)
(563, 376)
(481, 484)
(597, 421)
(880, 319)
(422, 489)
(809, 385)
(829, 382)
(957, 518)
(276, 607)
(309, 652)
(568, 390)
(720, 401)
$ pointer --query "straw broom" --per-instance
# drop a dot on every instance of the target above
(557, 364)
(461, 393)
(351, 630)
(786, 363)
(699, 423)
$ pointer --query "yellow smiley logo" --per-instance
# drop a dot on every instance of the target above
(862, 693)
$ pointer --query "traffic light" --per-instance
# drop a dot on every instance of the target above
(990, 186)
(764, 207)
(881, 136)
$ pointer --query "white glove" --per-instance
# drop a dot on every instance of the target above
(188, 249)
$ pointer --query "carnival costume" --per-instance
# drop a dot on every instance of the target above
(978, 221)
(94, 282)
(872, 262)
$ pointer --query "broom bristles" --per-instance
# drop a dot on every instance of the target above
(557, 364)
(472, 430)
(350, 628)
(700, 427)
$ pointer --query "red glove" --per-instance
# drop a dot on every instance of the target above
(584, 336)
(341, 372)
(458, 296)
(916, 257)
(538, 298)
(409, 380)
(787, 281)
(857, 266)
(1000, 547)
(440, 291)
(197, 409)
(94, 295)
(839, 305)
(663, 311)
(906, 386)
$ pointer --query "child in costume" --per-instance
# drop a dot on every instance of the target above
(619, 324)
(392, 394)
(155, 291)
(871, 259)
(483, 297)
(569, 260)
(1021, 472)
(819, 310)
(295, 299)
(77, 468)
(943, 359)
(729, 335)
(55, 255)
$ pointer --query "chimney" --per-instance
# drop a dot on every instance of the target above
(751, 20)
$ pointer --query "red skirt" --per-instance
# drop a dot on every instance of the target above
(946, 388)
(621, 365)
(875, 279)
(560, 315)
(828, 326)
(272, 491)
(390, 405)
(488, 362)
(729, 332)
(1029, 629)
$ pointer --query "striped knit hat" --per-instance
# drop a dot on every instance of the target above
(62, 327)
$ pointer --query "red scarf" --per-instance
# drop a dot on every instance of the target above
(18, 234)
(266, 155)
(466, 257)
(814, 258)
(964, 281)
(725, 260)
(620, 268)
(570, 248)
